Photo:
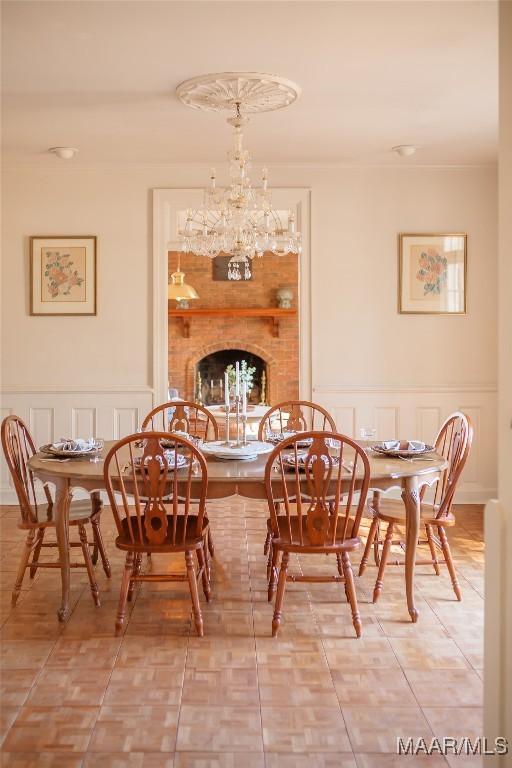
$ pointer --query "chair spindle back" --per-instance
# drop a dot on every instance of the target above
(184, 416)
(454, 443)
(322, 495)
(295, 416)
(155, 490)
(18, 448)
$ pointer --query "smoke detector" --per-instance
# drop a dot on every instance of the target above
(64, 153)
(405, 150)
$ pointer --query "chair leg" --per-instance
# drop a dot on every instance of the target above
(194, 594)
(99, 547)
(383, 560)
(270, 550)
(272, 584)
(281, 586)
(449, 561)
(268, 539)
(137, 565)
(369, 541)
(211, 548)
(25, 556)
(201, 558)
(206, 551)
(350, 591)
(37, 551)
(432, 545)
(123, 594)
(88, 564)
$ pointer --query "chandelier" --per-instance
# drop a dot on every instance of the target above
(238, 220)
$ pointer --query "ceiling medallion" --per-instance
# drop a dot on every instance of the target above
(239, 220)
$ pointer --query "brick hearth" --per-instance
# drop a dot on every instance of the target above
(210, 334)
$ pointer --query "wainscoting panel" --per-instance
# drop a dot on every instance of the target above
(83, 422)
(70, 412)
(418, 412)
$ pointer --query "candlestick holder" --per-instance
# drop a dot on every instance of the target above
(227, 442)
(238, 404)
(244, 429)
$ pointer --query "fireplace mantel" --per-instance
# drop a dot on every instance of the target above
(273, 314)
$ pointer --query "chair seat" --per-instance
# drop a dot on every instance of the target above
(185, 539)
(392, 511)
(79, 512)
(293, 543)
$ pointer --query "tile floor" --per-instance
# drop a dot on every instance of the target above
(159, 697)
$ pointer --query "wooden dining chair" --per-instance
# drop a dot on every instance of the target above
(291, 416)
(36, 517)
(323, 502)
(184, 416)
(454, 443)
(295, 416)
(151, 499)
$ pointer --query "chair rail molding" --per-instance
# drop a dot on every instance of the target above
(167, 203)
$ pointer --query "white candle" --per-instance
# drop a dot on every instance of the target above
(226, 389)
(237, 380)
(244, 398)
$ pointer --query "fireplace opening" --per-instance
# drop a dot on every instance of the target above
(209, 380)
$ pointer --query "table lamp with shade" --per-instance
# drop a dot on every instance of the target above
(179, 290)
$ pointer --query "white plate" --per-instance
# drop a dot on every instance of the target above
(219, 450)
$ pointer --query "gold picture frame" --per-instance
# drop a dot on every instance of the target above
(432, 273)
(63, 278)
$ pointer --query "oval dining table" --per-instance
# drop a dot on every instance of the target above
(229, 478)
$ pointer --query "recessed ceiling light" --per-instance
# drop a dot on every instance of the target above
(64, 153)
(405, 150)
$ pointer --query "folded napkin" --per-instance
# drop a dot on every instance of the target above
(403, 445)
(74, 446)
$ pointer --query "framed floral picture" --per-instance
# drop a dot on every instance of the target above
(432, 274)
(63, 275)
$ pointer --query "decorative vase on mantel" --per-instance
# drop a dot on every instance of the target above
(284, 297)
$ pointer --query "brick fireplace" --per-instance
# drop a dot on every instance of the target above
(274, 339)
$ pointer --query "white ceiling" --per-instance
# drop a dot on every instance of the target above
(101, 76)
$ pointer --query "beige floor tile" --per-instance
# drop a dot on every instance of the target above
(359, 653)
(223, 687)
(128, 760)
(51, 729)
(135, 729)
(148, 686)
(455, 721)
(304, 729)
(310, 760)
(94, 653)
(15, 685)
(446, 687)
(219, 729)
(25, 654)
(436, 654)
(40, 760)
(56, 687)
(150, 651)
(377, 729)
(377, 760)
(218, 760)
(373, 688)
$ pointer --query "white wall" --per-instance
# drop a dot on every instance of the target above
(369, 363)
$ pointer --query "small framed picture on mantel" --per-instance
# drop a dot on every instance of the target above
(432, 274)
(63, 275)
